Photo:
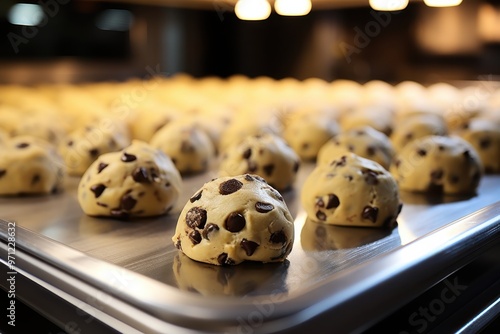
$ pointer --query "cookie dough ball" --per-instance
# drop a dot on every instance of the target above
(364, 141)
(148, 119)
(267, 156)
(484, 136)
(45, 128)
(29, 165)
(138, 181)
(417, 126)
(438, 165)
(189, 147)
(233, 219)
(82, 147)
(376, 117)
(306, 133)
(351, 191)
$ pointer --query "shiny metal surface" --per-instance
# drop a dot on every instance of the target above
(321, 275)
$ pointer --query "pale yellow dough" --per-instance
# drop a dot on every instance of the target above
(267, 156)
(438, 165)
(138, 181)
(416, 126)
(363, 141)
(235, 219)
(351, 191)
(29, 165)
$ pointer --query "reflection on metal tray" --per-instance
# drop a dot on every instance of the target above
(329, 266)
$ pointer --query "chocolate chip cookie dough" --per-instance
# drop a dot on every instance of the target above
(351, 191)
(233, 219)
(363, 141)
(29, 165)
(267, 156)
(416, 126)
(438, 165)
(138, 181)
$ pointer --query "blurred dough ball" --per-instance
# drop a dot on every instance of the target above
(30, 165)
(438, 165)
(265, 155)
(84, 145)
(307, 133)
(363, 141)
(147, 120)
(484, 136)
(351, 191)
(416, 126)
(46, 128)
(189, 147)
(376, 117)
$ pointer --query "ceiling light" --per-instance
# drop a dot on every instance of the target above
(292, 7)
(442, 3)
(252, 10)
(388, 5)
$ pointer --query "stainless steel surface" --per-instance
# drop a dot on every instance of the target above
(333, 273)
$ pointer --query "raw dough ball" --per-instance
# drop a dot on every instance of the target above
(376, 117)
(82, 147)
(233, 219)
(29, 165)
(485, 137)
(149, 118)
(306, 133)
(45, 128)
(351, 191)
(417, 126)
(267, 156)
(364, 141)
(138, 181)
(437, 165)
(189, 147)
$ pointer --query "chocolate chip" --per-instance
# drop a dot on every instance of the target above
(127, 202)
(454, 179)
(264, 207)
(35, 179)
(209, 229)
(350, 148)
(128, 157)
(22, 145)
(94, 152)
(484, 143)
(235, 222)
(370, 177)
(437, 175)
(319, 202)
(441, 148)
(422, 152)
(101, 166)
(196, 196)
(370, 213)
(268, 169)
(249, 246)
(98, 189)
(247, 154)
(333, 201)
(104, 205)
(178, 244)
(339, 163)
(195, 237)
(370, 150)
(196, 217)
(224, 259)
(409, 136)
(305, 146)
(296, 166)
(140, 175)
(248, 177)
(118, 213)
(3, 172)
(230, 186)
(186, 147)
(278, 237)
(320, 215)
(349, 177)
(70, 143)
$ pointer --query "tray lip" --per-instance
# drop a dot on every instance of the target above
(466, 235)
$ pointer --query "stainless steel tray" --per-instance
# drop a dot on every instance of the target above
(132, 276)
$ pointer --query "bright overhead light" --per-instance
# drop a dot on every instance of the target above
(26, 14)
(388, 5)
(442, 3)
(252, 10)
(292, 7)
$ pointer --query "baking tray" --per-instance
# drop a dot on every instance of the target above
(143, 283)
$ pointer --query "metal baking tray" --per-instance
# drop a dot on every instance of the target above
(133, 278)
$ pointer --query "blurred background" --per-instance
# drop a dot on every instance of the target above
(51, 41)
